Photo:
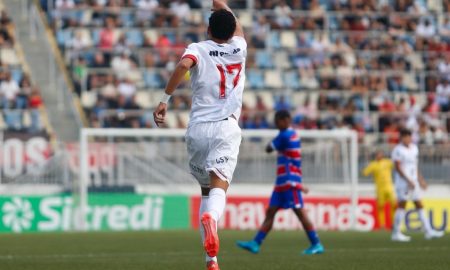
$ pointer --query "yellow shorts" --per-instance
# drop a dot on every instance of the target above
(385, 196)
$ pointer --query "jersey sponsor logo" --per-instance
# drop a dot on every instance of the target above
(235, 51)
(218, 54)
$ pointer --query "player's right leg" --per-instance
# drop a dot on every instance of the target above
(316, 246)
(397, 235)
(254, 245)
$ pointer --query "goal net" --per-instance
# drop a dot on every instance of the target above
(156, 160)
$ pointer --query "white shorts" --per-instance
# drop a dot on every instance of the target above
(405, 194)
(213, 147)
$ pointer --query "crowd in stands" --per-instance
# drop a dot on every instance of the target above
(20, 100)
(372, 65)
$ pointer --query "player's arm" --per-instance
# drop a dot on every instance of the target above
(368, 170)
(177, 77)
(399, 169)
(222, 4)
(305, 189)
(423, 184)
(269, 148)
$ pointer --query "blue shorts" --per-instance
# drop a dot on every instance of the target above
(291, 198)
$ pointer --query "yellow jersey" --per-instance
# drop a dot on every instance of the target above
(382, 173)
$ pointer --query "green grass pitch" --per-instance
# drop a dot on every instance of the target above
(170, 250)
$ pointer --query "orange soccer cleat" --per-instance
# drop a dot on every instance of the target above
(212, 265)
(211, 243)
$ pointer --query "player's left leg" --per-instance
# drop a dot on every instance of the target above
(215, 207)
(316, 246)
(430, 233)
(381, 203)
(203, 209)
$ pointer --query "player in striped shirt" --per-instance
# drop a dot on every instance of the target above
(288, 187)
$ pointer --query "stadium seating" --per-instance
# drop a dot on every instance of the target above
(21, 105)
(327, 61)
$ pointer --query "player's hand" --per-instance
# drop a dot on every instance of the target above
(269, 149)
(423, 185)
(305, 189)
(218, 4)
(160, 113)
(411, 185)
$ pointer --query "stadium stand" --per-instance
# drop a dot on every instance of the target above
(372, 66)
(22, 108)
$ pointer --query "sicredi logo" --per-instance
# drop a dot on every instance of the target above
(61, 214)
(17, 214)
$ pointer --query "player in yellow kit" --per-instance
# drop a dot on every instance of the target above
(381, 170)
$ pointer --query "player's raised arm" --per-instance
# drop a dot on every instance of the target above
(177, 77)
(222, 4)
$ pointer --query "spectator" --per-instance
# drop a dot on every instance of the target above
(9, 90)
(425, 29)
(122, 65)
(78, 42)
(35, 103)
(127, 89)
(260, 106)
(260, 32)
(146, 11)
(99, 61)
(283, 15)
(431, 107)
(443, 95)
(282, 104)
(181, 9)
(107, 39)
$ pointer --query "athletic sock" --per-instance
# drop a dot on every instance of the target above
(313, 237)
(216, 203)
(398, 218)
(259, 237)
(203, 209)
(208, 259)
(425, 222)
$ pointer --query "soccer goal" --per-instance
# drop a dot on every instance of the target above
(156, 160)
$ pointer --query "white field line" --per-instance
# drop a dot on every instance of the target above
(183, 254)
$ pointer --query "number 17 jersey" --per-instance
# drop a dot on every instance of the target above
(217, 79)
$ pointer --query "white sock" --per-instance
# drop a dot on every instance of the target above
(425, 222)
(216, 203)
(398, 219)
(203, 209)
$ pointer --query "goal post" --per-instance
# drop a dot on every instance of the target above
(139, 157)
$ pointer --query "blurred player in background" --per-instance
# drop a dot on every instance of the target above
(217, 68)
(288, 187)
(381, 171)
(409, 185)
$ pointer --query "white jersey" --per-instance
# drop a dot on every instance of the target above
(217, 79)
(408, 158)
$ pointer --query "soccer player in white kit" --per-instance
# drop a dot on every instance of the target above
(217, 69)
(409, 185)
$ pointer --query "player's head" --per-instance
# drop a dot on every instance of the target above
(222, 25)
(405, 136)
(282, 119)
(379, 154)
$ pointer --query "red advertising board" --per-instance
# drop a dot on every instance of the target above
(247, 213)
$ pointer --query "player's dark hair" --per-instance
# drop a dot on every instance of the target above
(405, 132)
(283, 114)
(222, 24)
